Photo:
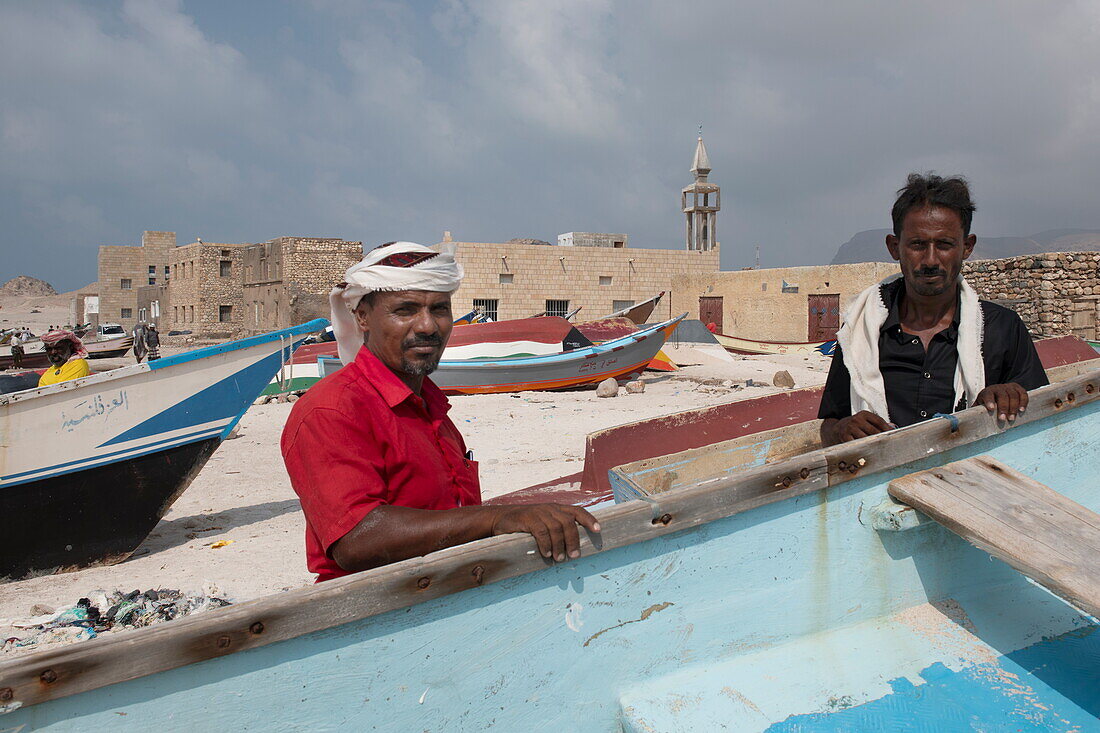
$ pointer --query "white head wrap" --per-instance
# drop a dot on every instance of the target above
(437, 272)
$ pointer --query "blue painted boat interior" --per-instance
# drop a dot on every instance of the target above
(793, 616)
(283, 334)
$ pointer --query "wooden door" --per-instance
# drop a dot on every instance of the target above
(824, 317)
(710, 311)
(1083, 318)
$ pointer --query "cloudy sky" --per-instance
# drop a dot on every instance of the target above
(242, 121)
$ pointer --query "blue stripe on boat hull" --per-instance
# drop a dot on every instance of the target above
(224, 399)
(60, 521)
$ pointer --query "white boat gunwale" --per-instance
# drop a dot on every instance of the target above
(277, 617)
(284, 334)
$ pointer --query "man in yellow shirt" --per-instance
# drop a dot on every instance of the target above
(67, 355)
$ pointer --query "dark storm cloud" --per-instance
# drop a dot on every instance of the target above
(504, 119)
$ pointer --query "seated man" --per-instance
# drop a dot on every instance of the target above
(922, 343)
(67, 355)
(382, 473)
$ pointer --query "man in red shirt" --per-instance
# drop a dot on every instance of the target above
(382, 473)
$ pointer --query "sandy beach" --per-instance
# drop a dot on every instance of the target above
(243, 494)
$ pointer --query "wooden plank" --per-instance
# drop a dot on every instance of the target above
(1028, 525)
(54, 673)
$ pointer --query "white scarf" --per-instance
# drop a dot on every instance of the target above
(859, 335)
(437, 273)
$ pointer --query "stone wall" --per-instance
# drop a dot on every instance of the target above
(523, 277)
(311, 266)
(200, 289)
(1055, 293)
(756, 305)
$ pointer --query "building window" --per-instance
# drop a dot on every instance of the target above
(126, 283)
(191, 314)
(488, 307)
(620, 305)
(167, 270)
(152, 269)
(763, 287)
(225, 253)
(557, 308)
(619, 245)
(507, 278)
(605, 279)
(152, 281)
(225, 268)
(225, 313)
(127, 312)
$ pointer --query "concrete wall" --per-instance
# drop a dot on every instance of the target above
(540, 273)
(755, 306)
(1055, 293)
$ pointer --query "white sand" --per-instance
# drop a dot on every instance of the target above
(243, 493)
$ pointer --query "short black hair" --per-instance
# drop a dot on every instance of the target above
(928, 189)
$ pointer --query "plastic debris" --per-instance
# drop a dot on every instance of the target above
(103, 612)
(221, 543)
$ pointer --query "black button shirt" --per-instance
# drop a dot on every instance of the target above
(921, 383)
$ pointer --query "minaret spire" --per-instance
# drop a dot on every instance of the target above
(701, 202)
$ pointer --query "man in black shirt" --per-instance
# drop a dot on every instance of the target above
(923, 344)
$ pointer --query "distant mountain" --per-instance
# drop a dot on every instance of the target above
(26, 285)
(870, 246)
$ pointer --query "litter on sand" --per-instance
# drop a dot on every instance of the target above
(221, 543)
(103, 612)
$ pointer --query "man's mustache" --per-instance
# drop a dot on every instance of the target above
(929, 272)
(412, 343)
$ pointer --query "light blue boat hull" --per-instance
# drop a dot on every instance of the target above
(795, 615)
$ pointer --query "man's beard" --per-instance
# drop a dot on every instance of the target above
(927, 289)
(424, 367)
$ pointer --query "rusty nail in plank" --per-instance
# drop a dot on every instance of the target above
(479, 574)
(786, 482)
(804, 473)
(423, 583)
(6, 694)
(1057, 403)
(1071, 397)
(663, 519)
(843, 465)
(1089, 388)
(224, 642)
(48, 676)
(256, 628)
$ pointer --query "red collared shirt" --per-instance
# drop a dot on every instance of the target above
(360, 438)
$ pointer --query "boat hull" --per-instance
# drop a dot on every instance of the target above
(89, 465)
(748, 607)
(109, 348)
(612, 360)
(71, 511)
(737, 345)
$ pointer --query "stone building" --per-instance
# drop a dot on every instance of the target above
(205, 290)
(233, 290)
(509, 280)
(124, 269)
(287, 280)
(777, 304)
(597, 272)
(592, 239)
(1055, 293)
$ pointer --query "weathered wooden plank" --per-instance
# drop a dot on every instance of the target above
(54, 673)
(1030, 526)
